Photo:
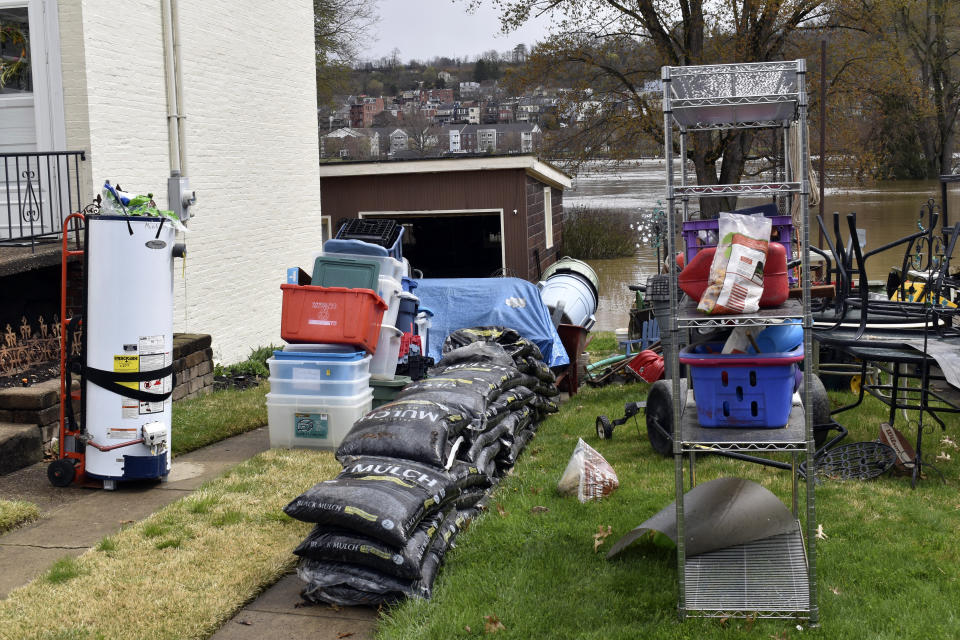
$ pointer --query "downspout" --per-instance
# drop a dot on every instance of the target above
(173, 100)
(178, 64)
(179, 195)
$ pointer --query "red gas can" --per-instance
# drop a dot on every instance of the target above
(693, 278)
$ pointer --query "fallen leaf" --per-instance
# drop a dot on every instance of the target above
(539, 509)
(947, 442)
(245, 622)
(336, 607)
(501, 511)
(345, 634)
(820, 534)
(536, 490)
(835, 591)
(782, 635)
(752, 618)
(600, 536)
(723, 621)
(467, 628)
(943, 456)
(492, 624)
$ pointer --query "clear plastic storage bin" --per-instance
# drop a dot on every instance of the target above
(319, 422)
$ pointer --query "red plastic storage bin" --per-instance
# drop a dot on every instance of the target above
(741, 390)
(693, 279)
(331, 315)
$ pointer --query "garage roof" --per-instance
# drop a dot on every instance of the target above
(534, 167)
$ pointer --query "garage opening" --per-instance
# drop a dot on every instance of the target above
(451, 245)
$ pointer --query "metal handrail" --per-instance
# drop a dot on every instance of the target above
(40, 190)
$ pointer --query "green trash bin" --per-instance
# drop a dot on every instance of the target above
(385, 391)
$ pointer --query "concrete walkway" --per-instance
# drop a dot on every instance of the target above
(75, 519)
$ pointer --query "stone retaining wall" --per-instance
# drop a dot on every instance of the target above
(38, 405)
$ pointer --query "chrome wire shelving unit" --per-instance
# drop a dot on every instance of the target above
(774, 577)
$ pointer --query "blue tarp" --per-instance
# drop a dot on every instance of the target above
(462, 303)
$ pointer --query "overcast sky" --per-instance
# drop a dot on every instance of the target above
(423, 29)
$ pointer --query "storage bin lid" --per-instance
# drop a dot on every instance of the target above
(397, 382)
(341, 271)
(320, 353)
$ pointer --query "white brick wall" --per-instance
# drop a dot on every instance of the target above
(250, 101)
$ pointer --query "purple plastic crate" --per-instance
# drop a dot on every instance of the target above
(741, 390)
(781, 232)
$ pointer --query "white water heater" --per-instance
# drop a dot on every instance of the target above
(127, 347)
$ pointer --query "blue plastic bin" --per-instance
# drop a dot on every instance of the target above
(741, 390)
(407, 313)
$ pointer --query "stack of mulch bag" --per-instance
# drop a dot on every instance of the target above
(417, 469)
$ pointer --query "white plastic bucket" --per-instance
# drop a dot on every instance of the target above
(389, 290)
(384, 363)
(423, 329)
(569, 298)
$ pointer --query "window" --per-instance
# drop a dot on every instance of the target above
(548, 217)
(15, 75)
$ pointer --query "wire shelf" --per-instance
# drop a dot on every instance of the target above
(758, 189)
(688, 316)
(694, 438)
(765, 578)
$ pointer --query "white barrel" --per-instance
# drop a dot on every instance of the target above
(127, 327)
(570, 299)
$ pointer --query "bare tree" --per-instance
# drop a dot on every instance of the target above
(423, 134)
(339, 26)
(611, 50)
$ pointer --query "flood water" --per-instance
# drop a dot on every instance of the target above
(886, 211)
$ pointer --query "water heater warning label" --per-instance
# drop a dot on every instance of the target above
(153, 355)
(129, 408)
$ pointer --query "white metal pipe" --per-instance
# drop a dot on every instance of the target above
(178, 65)
(173, 120)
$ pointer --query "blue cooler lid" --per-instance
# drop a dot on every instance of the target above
(322, 352)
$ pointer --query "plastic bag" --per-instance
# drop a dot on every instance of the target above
(120, 203)
(735, 284)
(588, 475)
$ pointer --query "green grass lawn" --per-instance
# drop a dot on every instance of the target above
(181, 572)
(204, 420)
(888, 567)
(13, 513)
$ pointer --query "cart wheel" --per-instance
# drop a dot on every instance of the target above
(61, 472)
(604, 428)
(660, 417)
(820, 409)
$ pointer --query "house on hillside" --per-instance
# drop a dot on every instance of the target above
(518, 137)
(92, 104)
(355, 144)
(472, 216)
(363, 110)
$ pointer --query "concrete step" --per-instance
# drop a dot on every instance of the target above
(20, 446)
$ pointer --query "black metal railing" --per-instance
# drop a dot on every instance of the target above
(38, 190)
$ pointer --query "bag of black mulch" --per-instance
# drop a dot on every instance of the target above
(542, 405)
(510, 451)
(537, 368)
(411, 428)
(486, 459)
(339, 545)
(501, 377)
(476, 352)
(482, 440)
(513, 400)
(463, 337)
(382, 498)
(347, 584)
(547, 389)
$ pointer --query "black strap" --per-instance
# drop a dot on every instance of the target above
(109, 380)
